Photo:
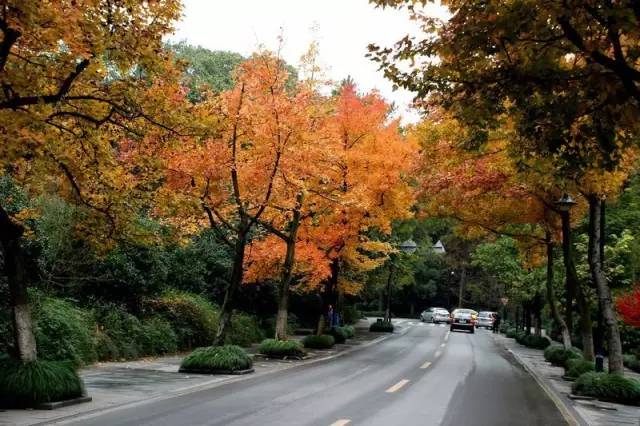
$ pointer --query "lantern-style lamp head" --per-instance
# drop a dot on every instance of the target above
(565, 203)
(408, 246)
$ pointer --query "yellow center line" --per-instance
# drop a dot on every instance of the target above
(397, 386)
(340, 422)
(425, 365)
(438, 354)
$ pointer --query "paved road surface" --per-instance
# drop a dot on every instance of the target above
(427, 376)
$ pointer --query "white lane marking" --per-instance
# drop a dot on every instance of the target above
(443, 345)
(397, 386)
(446, 336)
(431, 324)
(438, 354)
(425, 365)
(441, 325)
(341, 422)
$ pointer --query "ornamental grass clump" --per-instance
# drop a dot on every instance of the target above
(350, 331)
(213, 359)
(339, 334)
(281, 348)
(558, 355)
(576, 367)
(608, 387)
(26, 384)
(381, 327)
(324, 341)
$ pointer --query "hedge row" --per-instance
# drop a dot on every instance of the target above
(632, 362)
(558, 355)
(281, 348)
(608, 387)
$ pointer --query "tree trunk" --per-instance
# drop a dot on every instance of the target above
(462, 279)
(604, 292)
(224, 322)
(586, 329)
(24, 339)
(387, 311)
(329, 294)
(551, 299)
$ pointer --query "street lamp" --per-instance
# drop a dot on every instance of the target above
(409, 246)
(565, 203)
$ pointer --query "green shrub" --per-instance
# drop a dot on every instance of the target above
(324, 341)
(217, 358)
(27, 384)
(193, 318)
(632, 362)
(338, 333)
(245, 330)
(520, 336)
(608, 387)
(63, 332)
(558, 355)
(350, 330)
(511, 333)
(576, 367)
(382, 327)
(281, 348)
(350, 315)
(124, 331)
(373, 313)
(157, 337)
(536, 342)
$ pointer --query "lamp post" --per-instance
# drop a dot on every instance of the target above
(409, 247)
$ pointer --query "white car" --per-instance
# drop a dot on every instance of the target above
(435, 315)
(486, 319)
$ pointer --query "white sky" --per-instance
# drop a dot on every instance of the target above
(344, 28)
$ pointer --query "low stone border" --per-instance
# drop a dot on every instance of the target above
(59, 404)
(284, 357)
(220, 372)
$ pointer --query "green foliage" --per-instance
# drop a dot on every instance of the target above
(216, 358)
(157, 337)
(193, 318)
(63, 331)
(608, 387)
(373, 313)
(520, 336)
(339, 334)
(245, 330)
(120, 331)
(536, 342)
(350, 331)
(30, 383)
(323, 341)
(576, 367)
(381, 327)
(350, 315)
(511, 332)
(281, 348)
(558, 355)
(632, 362)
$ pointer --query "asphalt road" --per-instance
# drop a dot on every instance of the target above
(426, 376)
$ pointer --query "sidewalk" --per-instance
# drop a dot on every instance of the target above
(577, 412)
(117, 384)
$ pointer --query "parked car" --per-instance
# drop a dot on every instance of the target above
(464, 319)
(486, 319)
(435, 315)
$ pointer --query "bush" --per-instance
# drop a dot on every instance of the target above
(576, 367)
(339, 334)
(324, 341)
(157, 337)
(608, 387)
(63, 332)
(27, 384)
(350, 330)
(381, 327)
(558, 355)
(281, 348)
(350, 315)
(193, 318)
(632, 362)
(245, 330)
(536, 342)
(373, 313)
(511, 333)
(122, 331)
(215, 359)
(520, 336)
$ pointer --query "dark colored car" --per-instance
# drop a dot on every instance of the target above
(464, 319)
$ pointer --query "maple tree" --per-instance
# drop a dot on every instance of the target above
(70, 69)
(628, 306)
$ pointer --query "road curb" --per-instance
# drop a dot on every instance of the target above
(210, 384)
(566, 412)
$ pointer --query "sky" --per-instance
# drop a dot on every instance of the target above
(343, 29)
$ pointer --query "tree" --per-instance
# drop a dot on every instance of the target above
(69, 69)
(628, 306)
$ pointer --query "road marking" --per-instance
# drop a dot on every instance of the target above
(441, 325)
(446, 336)
(438, 354)
(397, 386)
(341, 422)
(431, 324)
(443, 345)
(425, 365)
